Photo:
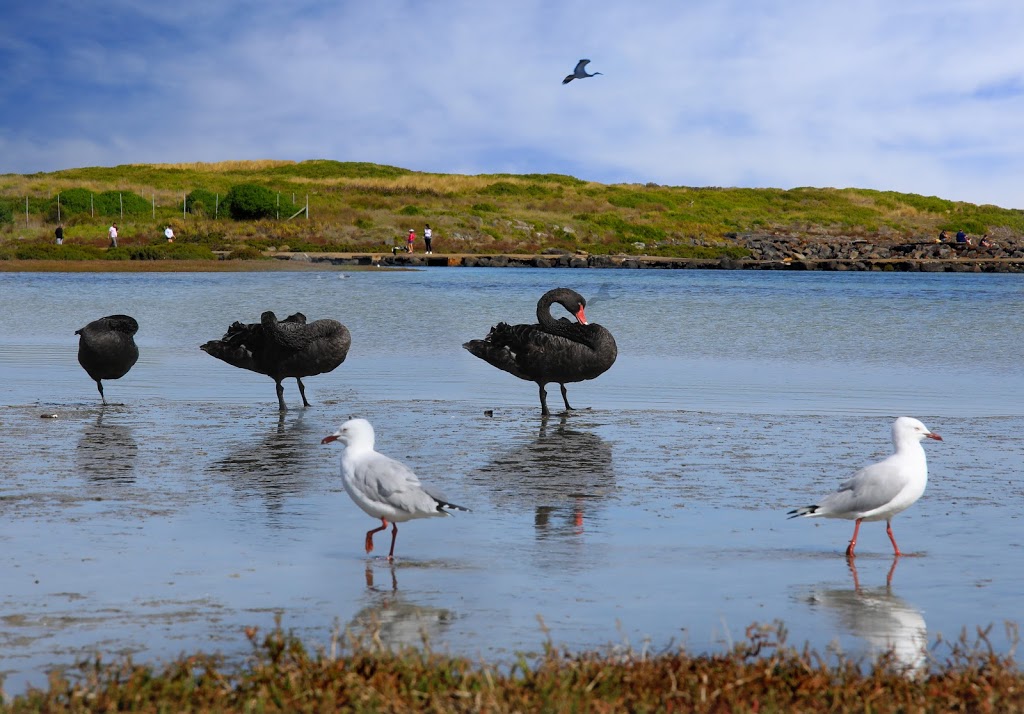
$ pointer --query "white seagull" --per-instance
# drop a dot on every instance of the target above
(384, 488)
(880, 491)
(580, 72)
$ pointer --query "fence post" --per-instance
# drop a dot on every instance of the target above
(307, 206)
(26, 211)
(92, 211)
(184, 204)
(120, 202)
(58, 207)
(216, 207)
(154, 206)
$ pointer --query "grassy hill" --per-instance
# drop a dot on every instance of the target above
(361, 206)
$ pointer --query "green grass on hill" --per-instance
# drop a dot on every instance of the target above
(362, 206)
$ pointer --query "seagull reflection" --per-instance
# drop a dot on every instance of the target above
(886, 622)
(277, 468)
(392, 622)
(106, 453)
(560, 475)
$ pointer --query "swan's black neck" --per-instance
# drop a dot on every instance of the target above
(571, 301)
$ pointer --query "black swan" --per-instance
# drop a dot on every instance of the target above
(282, 349)
(107, 349)
(552, 351)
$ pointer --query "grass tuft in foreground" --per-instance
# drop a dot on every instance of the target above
(762, 674)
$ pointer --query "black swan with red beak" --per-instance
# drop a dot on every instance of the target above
(553, 350)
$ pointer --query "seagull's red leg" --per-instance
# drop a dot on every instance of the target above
(369, 535)
(853, 541)
(853, 571)
(895, 548)
(394, 535)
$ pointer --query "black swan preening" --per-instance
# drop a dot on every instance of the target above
(107, 349)
(282, 349)
(553, 351)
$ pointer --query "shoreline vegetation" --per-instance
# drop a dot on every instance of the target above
(358, 673)
(352, 213)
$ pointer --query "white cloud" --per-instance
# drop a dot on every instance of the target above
(919, 97)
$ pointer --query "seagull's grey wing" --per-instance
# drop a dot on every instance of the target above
(580, 66)
(393, 483)
(870, 488)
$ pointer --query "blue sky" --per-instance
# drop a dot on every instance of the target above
(917, 96)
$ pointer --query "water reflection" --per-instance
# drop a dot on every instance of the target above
(391, 621)
(107, 452)
(278, 467)
(886, 622)
(562, 476)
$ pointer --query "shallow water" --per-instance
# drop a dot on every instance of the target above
(655, 516)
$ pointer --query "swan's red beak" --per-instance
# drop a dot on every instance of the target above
(581, 317)
(931, 435)
(329, 439)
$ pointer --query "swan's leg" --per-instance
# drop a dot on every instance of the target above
(565, 397)
(369, 535)
(543, 400)
(394, 535)
(302, 391)
(280, 395)
(99, 386)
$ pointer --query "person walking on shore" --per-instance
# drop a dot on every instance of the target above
(411, 240)
(427, 237)
(59, 234)
(112, 232)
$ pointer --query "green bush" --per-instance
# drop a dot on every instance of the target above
(201, 202)
(245, 252)
(76, 200)
(112, 203)
(249, 201)
(6, 213)
(411, 211)
(172, 251)
(364, 223)
(51, 251)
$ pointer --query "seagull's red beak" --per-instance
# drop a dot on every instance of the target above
(329, 439)
(581, 317)
(931, 435)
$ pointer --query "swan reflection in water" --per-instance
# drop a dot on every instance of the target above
(886, 622)
(390, 621)
(562, 476)
(278, 467)
(107, 452)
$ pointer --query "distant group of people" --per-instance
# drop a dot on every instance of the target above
(428, 236)
(58, 234)
(963, 239)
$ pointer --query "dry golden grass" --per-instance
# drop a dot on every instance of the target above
(358, 674)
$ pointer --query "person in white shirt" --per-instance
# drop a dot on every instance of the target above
(113, 235)
(427, 235)
(169, 234)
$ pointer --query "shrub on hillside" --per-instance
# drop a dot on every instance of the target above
(6, 213)
(76, 200)
(201, 202)
(249, 201)
(113, 203)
